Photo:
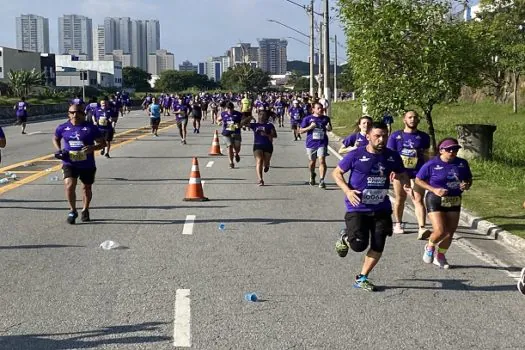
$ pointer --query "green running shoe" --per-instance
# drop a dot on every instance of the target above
(341, 247)
(363, 283)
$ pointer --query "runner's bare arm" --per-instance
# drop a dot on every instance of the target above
(3, 142)
(56, 143)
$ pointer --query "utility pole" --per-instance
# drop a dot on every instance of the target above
(335, 68)
(326, 49)
(312, 50)
(320, 60)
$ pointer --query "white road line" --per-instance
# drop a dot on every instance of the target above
(35, 133)
(182, 323)
(334, 152)
(188, 225)
(210, 164)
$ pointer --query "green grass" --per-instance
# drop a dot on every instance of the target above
(10, 101)
(498, 191)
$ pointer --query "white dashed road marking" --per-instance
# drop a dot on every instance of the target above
(182, 322)
(188, 225)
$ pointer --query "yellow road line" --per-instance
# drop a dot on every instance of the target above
(41, 173)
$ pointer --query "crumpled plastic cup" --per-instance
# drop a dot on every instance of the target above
(109, 245)
(250, 297)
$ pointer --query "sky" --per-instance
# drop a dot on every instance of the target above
(191, 29)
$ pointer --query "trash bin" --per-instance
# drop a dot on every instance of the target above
(475, 140)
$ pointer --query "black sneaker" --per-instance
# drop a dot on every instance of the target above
(102, 151)
(232, 165)
(237, 158)
(71, 217)
(266, 169)
(84, 215)
(107, 155)
(312, 179)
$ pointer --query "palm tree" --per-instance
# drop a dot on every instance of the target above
(21, 82)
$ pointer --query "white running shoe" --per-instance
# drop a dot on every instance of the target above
(423, 234)
(521, 282)
(399, 228)
(428, 256)
(441, 261)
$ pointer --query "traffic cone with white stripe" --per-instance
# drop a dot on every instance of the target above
(194, 191)
(215, 149)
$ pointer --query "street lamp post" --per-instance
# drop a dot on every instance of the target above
(335, 68)
(312, 51)
(320, 60)
(326, 50)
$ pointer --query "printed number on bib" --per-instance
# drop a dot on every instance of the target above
(77, 156)
(451, 201)
(297, 116)
(231, 126)
(102, 121)
(409, 157)
(318, 134)
(373, 196)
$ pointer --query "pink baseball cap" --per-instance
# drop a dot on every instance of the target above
(449, 144)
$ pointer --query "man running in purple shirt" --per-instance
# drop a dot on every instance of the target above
(368, 210)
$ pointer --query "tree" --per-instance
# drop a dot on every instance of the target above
(172, 80)
(503, 27)
(22, 81)
(345, 80)
(244, 77)
(136, 78)
(408, 53)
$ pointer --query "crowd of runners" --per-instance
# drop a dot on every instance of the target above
(374, 159)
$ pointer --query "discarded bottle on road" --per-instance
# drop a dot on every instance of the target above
(4, 180)
(108, 245)
(14, 177)
(53, 178)
(250, 297)
(222, 226)
(8, 173)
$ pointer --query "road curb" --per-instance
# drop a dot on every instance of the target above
(474, 222)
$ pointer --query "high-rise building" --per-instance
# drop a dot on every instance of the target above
(159, 61)
(243, 53)
(273, 56)
(139, 54)
(187, 66)
(119, 56)
(152, 36)
(124, 35)
(32, 33)
(201, 68)
(99, 49)
(75, 33)
(215, 66)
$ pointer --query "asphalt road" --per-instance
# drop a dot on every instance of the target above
(167, 289)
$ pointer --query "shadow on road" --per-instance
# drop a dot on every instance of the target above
(38, 246)
(451, 284)
(84, 340)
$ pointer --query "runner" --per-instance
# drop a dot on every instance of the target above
(357, 139)
(81, 139)
(103, 118)
(296, 116)
(196, 115)
(91, 108)
(154, 114)
(263, 135)
(181, 118)
(369, 212)
(279, 111)
(21, 113)
(521, 281)
(3, 142)
(126, 103)
(214, 111)
(445, 177)
(231, 132)
(413, 145)
(316, 126)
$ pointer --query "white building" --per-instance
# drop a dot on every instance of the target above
(215, 67)
(119, 55)
(99, 49)
(113, 68)
(273, 55)
(32, 33)
(75, 33)
(13, 59)
(160, 61)
(243, 53)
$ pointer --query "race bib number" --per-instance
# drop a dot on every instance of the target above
(318, 134)
(409, 157)
(231, 126)
(102, 121)
(297, 116)
(450, 201)
(77, 156)
(373, 196)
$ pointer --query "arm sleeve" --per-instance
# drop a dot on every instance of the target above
(424, 172)
(347, 163)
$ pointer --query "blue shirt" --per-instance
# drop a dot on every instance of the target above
(154, 110)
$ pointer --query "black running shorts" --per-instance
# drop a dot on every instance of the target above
(373, 227)
(86, 175)
(442, 204)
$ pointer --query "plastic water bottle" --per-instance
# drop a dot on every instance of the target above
(222, 226)
(49, 170)
(4, 180)
(8, 173)
(53, 178)
(250, 297)
(14, 177)
(108, 245)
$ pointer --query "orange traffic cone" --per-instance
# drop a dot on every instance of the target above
(194, 191)
(215, 149)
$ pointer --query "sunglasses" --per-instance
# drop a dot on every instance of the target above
(451, 149)
(74, 112)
